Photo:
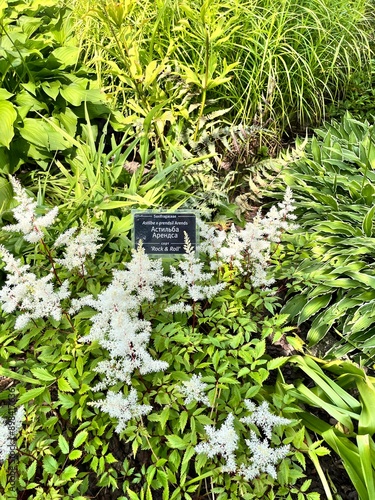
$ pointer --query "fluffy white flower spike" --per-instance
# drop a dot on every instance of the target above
(121, 407)
(34, 297)
(29, 224)
(117, 326)
(263, 418)
(193, 390)
(221, 442)
(78, 248)
(264, 457)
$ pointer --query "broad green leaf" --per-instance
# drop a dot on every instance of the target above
(67, 56)
(365, 455)
(366, 279)
(350, 456)
(294, 306)
(367, 222)
(8, 116)
(313, 306)
(366, 424)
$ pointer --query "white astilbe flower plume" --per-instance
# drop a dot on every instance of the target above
(8, 432)
(264, 458)
(193, 390)
(191, 277)
(117, 326)
(29, 224)
(249, 249)
(121, 407)
(34, 297)
(221, 442)
(78, 248)
(263, 418)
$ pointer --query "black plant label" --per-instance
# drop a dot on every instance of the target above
(164, 233)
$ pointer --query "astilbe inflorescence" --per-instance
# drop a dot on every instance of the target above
(224, 442)
(194, 390)
(29, 223)
(249, 249)
(117, 326)
(122, 408)
(34, 297)
(78, 248)
(190, 277)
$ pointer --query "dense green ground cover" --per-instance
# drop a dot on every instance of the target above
(111, 106)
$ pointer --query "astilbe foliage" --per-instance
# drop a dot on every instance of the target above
(120, 327)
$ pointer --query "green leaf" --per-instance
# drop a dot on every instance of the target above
(367, 222)
(17, 376)
(74, 454)
(64, 385)
(366, 424)
(42, 374)
(50, 464)
(67, 56)
(294, 305)
(365, 455)
(31, 470)
(31, 394)
(313, 306)
(63, 444)
(176, 442)
(69, 473)
(276, 363)
(80, 439)
(8, 116)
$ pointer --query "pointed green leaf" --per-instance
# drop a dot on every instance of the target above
(31, 394)
(8, 116)
(313, 306)
(50, 464)
(80, 438)
(63, 444)
(367, 222)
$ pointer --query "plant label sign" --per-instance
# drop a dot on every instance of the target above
(164, 233)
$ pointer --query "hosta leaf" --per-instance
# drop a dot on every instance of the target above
(8, 116)
(313, 306)
(294, 305)
(367, 222)
(67, 56)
